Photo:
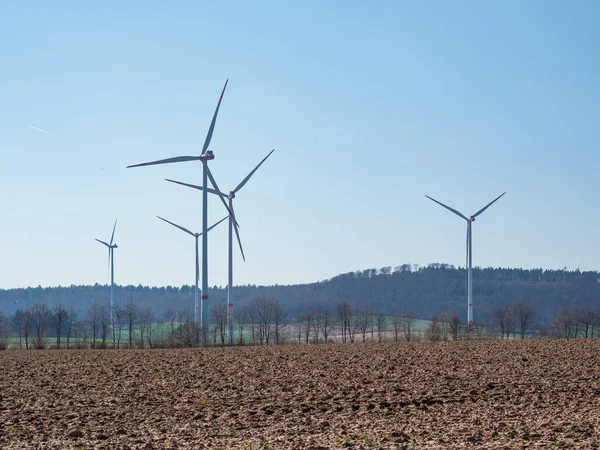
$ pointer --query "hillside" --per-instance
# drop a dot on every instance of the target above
(424, 291)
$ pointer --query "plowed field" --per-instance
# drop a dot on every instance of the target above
(536, 394)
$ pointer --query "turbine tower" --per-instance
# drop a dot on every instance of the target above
(205, 156)
(196, 236)
(233, 226)
(111, 261)
(469, 262)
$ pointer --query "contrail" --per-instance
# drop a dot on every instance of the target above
(38, 129)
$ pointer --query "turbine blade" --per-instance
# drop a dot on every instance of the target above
(237, 234)
(214, 225)
(167, 161)
(102, 242)
(245, 180)
(212, 191)
(214, 183)
(177, 226)
(214, 120)
(113, 233)
(447, 207)
(488, 205)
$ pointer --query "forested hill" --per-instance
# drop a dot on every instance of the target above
(424, 291)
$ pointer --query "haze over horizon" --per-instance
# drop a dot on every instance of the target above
(369, 108)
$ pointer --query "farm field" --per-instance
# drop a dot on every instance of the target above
(488, 394)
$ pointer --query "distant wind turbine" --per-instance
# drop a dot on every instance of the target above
(111, 261)
(205, 156)
(469, 262)
(196, 236)
(233, 225)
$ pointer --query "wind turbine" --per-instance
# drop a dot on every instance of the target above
(196, 236)
(111, 261)
(233, 225)
(205, 156)
(469, 261)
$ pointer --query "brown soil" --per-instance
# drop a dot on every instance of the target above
(534, 394)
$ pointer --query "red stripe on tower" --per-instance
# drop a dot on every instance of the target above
(470, 305)
(205, 297)
(230, 305)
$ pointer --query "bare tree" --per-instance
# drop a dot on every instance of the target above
(587, 319)
(524, 316)
(454, 327)
(171, 317)
(240, 317)
(434, 332)
(407, 322)
(39, 317)
(326, 324)
(131, 314)
(396, 324)
(69, 325)
(118, 319)
(22, 325)
(306, 324)
(501, 319)
(315, 315)
(104, 324)
(380, 323)
(279, 316)
(219, 317)
(93, 318)
(58, 317)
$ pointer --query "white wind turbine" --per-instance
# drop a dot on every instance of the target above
(111, 261)
(233, 226)
(196, 236)
(205, 156)
(469, 261)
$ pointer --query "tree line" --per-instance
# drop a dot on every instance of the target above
(265, 321)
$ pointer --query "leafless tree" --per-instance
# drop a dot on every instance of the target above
(69, 325)
(240, 318)
(131, 315)
(344, 313)
(396, 324)
(171, 317)
(39, 317)
(93, 318)
(315, 319)
(5, 326)
(22, 324)
(525, 317)
(501, 319)
(58, 317)
(454, 327)
(265, 308)
(434, 332)
(118, 321)
(586, 315)
(104, 324)
(306, 325)
(326, 324)
(380, 323)
(407, 321)
(219, 317)
(279, 316)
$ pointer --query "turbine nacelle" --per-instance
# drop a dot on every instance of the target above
(208, 156)
(471, 219)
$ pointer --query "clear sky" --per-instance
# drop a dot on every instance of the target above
(369, 105)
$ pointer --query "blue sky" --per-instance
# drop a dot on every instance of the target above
(368, 105)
